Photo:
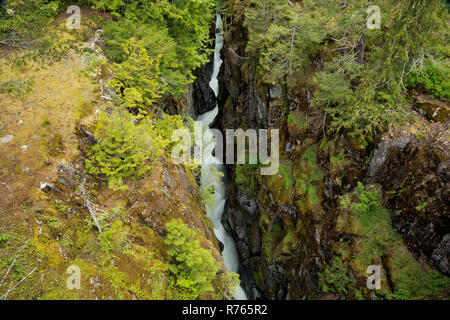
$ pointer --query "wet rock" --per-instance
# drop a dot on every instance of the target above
(220, 245)
(241, 217)
(203, 96)
(275, 283)
(433, 108)
(441, 255)
(381, 155)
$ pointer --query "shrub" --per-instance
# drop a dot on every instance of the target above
(124, 149)
(433, 78)
(335, 278)
(193, 266)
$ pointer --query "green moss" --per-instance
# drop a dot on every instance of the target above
(281, 184)
(289, 241)
(247, 177)
(270, 241)
(3, 239)
(338, 160)
(309, 178)
(433, 78)
(297, 121)
(335, 278)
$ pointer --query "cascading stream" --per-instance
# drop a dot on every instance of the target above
(209, 175)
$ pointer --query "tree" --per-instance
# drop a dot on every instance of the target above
(124, 149)
(359, 94)
(193, 266)
(178, 31)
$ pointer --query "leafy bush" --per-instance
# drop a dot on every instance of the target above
(158, 43)
(136, 79)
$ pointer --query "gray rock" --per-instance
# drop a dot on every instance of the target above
(46, 186)
(276, 92)
(89, 135)
(441, 253)
(241, 217)
(68, 176)
(275, 283)
(380, 155)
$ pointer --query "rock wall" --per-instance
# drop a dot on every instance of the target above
(288, 227)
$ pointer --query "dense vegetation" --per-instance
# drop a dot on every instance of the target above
(109, 213)
(151, 50)
(361, 73)
(194, 267)
(371, 227)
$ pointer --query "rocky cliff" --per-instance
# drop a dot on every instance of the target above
(47, 201)
(312, 230)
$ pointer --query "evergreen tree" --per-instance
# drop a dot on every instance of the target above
(125, 149)
(137, 79)
(193, 266)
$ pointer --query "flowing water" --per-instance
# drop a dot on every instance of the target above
(209, 175)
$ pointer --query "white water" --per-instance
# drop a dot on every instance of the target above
(230, 255)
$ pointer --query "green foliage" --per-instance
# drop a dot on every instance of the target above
(247, 177)
(26, 27)
(282, 34)
(137, 79)
(3, 239)
(286, 172)
(375, 222)
(158, 43)
(125, 149)
(208, 190)
(299, 121)
(177, 31)
(107, 239)
(360, 84)
(166, 126)
(193, 266)
(335, 278)
(433, 78)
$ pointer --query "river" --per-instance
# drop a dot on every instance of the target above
(209, 175)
